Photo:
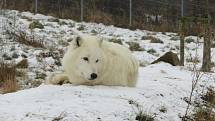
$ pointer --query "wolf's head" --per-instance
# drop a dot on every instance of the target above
(88, 57)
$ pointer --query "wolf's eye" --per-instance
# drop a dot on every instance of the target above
(85, 58)
(97, 60)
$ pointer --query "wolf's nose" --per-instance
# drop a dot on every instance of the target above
(93, 76)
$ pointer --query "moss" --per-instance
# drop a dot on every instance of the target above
(36, 24)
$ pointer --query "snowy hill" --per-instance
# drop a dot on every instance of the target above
(159, 85)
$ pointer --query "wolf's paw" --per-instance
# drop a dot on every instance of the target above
(57, 79)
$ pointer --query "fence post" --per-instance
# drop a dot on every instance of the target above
(82, 9)
(130, 14)
(36, 3)
(182, 8)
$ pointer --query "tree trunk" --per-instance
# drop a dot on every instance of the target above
(182, 43)
(206, 65)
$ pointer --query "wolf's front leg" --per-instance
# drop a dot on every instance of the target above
(58, 79)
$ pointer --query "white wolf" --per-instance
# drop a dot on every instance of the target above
(92, 61)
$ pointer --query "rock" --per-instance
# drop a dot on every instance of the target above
(6, 57)
(15, 55)
(24, 56)
(22, 64)
(170, 58)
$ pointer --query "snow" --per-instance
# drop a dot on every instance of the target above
(159, 85)
(156, 87)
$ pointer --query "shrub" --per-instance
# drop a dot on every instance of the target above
(175, 38)
(193, 60)
(189, 40)
(53, 20)
(151, 51)
(213, 45)
(203, 114)
(94, 31)
(163, 109)
(134, 46)
(81, 27)
(22, 38)
(40, 75)
(36, 24)
(62, 23)
(152, 39)
(9, 86)
(8, 77)
(115, 40)
(140, 114)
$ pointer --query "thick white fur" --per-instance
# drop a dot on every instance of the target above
(115, 67)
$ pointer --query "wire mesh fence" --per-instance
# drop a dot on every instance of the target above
(161, 15)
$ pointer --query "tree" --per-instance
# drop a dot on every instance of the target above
(206, 64)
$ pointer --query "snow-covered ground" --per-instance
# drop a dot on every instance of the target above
(159, 85)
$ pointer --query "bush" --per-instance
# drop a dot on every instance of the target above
(175, 38)
(163, 109)
(62, 23)
(53, 20)
(36, 24)
(140, 114)
(115, 40)
(94, 31)
(189, 40)
(151, 51)
(8, 77)
(40, 75)
(203, 114)
(134, 46)
(213, 45)
(81, 27)
(22, 38)
(193, 60)
(152, 39)
(9, 86)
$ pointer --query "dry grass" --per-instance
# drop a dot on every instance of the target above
(8, 78)
(9, 86)
(22, 38)
(205, 110)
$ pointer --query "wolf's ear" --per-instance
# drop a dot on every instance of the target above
(77, 41)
